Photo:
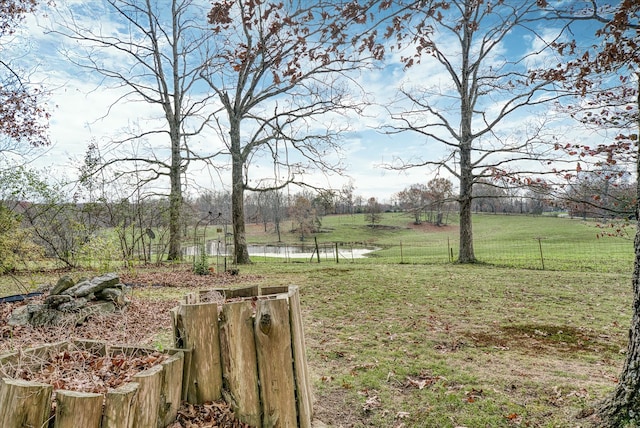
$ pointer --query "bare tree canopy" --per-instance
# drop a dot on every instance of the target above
(152, 54)
(278, 72)
(483, 114)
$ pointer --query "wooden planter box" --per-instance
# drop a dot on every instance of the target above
(151, 400)
(249, 351)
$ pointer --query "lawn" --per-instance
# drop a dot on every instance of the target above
(451, 346)
(437, 344)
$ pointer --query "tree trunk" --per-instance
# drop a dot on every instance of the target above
(240, 250)
(175, 199)
(467, 93)
(623, 406)
(465, 253)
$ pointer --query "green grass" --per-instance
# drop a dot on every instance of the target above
(456, 345)
(428, 343)
(532, 242)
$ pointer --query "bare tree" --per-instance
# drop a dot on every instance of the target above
(440, 191)
(373, 212)
(303, 216)
(413, 200)
(153, 54)
(276, 73)
(471, 113)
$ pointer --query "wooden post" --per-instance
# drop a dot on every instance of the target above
(196, 328)
(250, 291)
(78, 409)
(239, 364)
(24, 403)
(303, 385)
(8, 363)
(274, 289)
(317, 249)
(273, 343)
(119, 406)
(171, 392)
(147, 401)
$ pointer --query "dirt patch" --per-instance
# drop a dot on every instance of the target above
(552, 338)
(430, 227)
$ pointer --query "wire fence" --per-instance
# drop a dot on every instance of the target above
(597, 255)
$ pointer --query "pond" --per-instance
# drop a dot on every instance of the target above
(216, 248)
(308, 251)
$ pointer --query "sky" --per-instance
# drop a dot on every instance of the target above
(81, 107)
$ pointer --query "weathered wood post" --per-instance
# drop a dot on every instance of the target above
(239, 365)
(119, 406)
(24, 403)
(304, 392)
(275, 363)
(196, 328)
(261, 349)
(78, 409)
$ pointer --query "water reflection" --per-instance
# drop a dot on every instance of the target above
(216, 248)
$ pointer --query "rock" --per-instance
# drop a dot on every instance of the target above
(72, 290)
(45, 317)
(55, 300)
(94, 309)
(64, 283)
(19, 316)
(73, 305)
(97, 284)
(112, 295)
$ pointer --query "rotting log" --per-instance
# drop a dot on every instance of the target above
(275, 366)
(196, 328)
(304, 393)
(147, 401)
(239, 365)
(78, 409)
(24, 403)
(119, 406)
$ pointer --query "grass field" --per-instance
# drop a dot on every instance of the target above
(533, 242)
(445, 345)
(452, 346)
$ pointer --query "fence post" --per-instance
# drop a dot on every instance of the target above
(239, 365)
(540, 246)
(317, 249)
(78, 409)
(337, 255)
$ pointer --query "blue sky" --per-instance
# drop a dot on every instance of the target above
(82, 102)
